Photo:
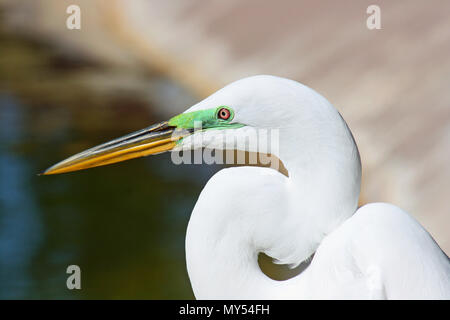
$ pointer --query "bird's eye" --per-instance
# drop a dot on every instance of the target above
(224, 114)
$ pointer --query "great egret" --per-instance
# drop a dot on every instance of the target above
(377, 251)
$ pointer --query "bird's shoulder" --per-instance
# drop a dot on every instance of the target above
(380, 224)
(393, 254)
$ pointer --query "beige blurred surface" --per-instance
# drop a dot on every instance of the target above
(391, 85)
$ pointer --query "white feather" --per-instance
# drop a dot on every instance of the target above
(375, 252)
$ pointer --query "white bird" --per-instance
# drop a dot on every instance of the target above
(375, 252)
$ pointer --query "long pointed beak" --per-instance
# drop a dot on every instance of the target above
(152, 140)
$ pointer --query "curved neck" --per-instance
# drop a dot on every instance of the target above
(225, 269)
(286, 218)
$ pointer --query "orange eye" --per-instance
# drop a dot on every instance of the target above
(224, 114)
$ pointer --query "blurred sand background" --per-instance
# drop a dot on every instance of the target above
(391, 85)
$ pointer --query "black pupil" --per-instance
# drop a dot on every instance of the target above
(223, 114)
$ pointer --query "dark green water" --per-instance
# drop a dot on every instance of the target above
(124, 225)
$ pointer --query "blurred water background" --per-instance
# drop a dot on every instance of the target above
(119, 225)
(137, 62)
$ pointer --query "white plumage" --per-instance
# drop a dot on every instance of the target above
(374, 252)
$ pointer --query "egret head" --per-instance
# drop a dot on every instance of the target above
(227, 120)
(235, 116)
